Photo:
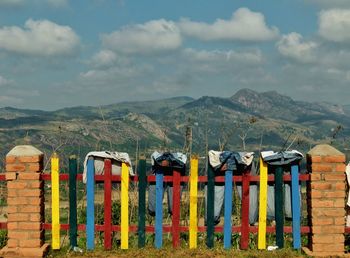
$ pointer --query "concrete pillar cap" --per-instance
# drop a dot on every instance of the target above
(324, 150)
(24, 150)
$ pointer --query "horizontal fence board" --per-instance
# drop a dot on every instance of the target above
(201, 179)
(168, 228)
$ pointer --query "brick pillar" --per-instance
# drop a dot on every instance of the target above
(25, 203)
(326, 195)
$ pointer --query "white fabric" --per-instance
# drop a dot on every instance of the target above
(214, 157)
(265, 154)
(100, 156)
(347, 171)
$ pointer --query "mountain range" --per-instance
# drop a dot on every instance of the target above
(247, 120)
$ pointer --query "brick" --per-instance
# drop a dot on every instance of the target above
(339, 221)
(322, 221)
(338, 238)
(339, 203)
(334, 177)
(30, 209)
(314, 159)
(321, 203)
(317, 247)
(334, 159)
(333, 229)
(333, 212)
(18, 201)
(12, 192)
(31, 159)
(10, 176)
(29, 176)
(36, 184)
(11, 159)
(34, 200)
(29, 225)
(316, 177)
(334, 194)
(321, 168)
(36, 234)
(334, 247)
(18, 234)
(33, 252)
(36, 217)
(316, 194)
(11, 209)
(16, 184)
(12, 243)
(321, 185)
(339, 168)
(30, 243)
(30, 192)
(17, 217)
(12, 226)
(323, 239)
(34, 167)
(339, 186)
(15, 167)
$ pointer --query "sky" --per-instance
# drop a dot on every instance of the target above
(63, 53)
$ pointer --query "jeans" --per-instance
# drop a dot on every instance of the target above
(219, 194)
(167, 187)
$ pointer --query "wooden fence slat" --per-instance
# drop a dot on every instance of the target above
(90, 208)
(228, 209)
(279, 214)
(73, 201)
(193, 229)
(262, 205)
(296, 207)
(55, 204)
(176, 208)
(125, 208)
(142, 203)
(245, 211)
(159, 210)
(108, 204)
(210, 207)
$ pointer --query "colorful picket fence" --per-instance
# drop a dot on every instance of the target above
(175, 228)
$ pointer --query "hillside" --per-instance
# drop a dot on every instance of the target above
(265, 120)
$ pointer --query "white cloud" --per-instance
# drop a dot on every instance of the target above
(104, 58)
(243, 25)
(334, 25)
(39, 38)
(293, 46)
(246, 57)
(153, 36)
(4, 81)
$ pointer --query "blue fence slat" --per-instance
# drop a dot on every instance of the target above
(296, 207)
(90, 209)
(159, 210)
(228, 210)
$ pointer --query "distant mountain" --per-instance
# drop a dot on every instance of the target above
(265, 120)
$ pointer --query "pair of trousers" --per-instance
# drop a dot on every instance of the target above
(219, 194)
(167, 187)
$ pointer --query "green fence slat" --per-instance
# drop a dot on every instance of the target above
(73, 200)
(210, 207)
(279, 216)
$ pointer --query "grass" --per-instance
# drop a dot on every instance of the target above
(180, 252)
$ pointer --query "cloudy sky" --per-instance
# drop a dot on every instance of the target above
(59, 53)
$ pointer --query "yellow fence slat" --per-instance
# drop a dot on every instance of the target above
(55, 203)
(193, 202)
(124, 207)
(262, 205)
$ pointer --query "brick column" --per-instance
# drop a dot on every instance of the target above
(326, 195)
(25, 203)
